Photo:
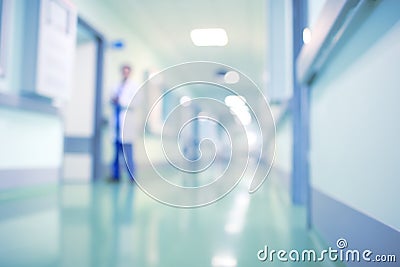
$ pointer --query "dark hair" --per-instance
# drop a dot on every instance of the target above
(126, 66)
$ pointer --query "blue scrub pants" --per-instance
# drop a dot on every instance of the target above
(120, 148)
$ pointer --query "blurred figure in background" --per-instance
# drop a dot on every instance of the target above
(120, 99)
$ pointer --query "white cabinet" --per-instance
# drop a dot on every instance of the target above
(49, 47)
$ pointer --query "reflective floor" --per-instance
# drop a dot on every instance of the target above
(118, 225)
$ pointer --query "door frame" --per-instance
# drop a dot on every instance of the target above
(97, 148)
(300, 191)
(94, 146)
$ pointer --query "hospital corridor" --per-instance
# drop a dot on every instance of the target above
(186, 133)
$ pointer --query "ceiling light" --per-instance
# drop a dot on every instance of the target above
(209, 37)
(231, 77)
(307, 35)
(235, 100)
(243, 116)
(252, 138)
(185, 101)
(238, 107)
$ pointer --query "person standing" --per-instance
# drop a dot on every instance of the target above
(121, 100)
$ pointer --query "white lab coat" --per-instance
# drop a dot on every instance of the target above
(128, 117)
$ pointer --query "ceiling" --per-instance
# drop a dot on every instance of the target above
(165, 25)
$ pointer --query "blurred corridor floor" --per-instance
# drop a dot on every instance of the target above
(118, 225)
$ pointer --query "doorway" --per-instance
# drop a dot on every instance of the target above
(83, 112)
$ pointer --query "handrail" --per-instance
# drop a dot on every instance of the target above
(333, 21)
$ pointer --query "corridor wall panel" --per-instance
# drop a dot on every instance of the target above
(355, 129)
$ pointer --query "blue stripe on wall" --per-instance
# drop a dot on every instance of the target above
(28, 103)
(14, 178)
(334, 220)
(78, 145)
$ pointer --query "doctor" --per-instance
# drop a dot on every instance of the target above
(120, 99)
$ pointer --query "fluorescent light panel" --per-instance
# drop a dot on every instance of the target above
(185, 101)
(231, 77)
(307, 35)
(209, 37)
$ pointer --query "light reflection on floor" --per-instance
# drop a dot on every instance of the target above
(118, 225)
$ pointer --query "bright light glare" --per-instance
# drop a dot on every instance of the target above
(238, 107)
(242, 114)
(185, 101)
(237, 215)
(307, 34)
(232, 228)
(223, 261)
(231, 77)
(209, 37)
(252, 138)
(203, 114)
(235, 101)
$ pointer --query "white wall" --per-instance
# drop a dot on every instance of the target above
(355, 129)
(314, 10)
(28, 140)
(79, 111)
(279, 70)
